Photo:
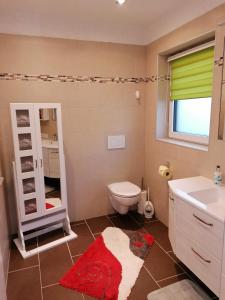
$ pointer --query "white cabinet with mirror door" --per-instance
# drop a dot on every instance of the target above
(41, 197)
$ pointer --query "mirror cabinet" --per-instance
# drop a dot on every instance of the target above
(39, 167)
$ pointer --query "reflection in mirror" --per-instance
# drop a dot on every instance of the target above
(221, 133)
(51, 163)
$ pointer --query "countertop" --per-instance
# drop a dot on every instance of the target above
(50, 144)
(182, 188)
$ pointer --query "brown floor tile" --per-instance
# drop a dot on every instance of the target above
(80, 244)
(24, 285)
(172, 280)
(77, 222)
(143, 286)
(18, 262)
(125, 222)
(140, 218)
(57, 292)
(50, 236)
(160, 264)
(160, 232)
(99, 224)
(86, 297)
(54, 263)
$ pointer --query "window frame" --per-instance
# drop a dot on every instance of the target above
(187, 137)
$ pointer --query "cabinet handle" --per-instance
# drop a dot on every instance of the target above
(205, 260)
(199, 219)
(36, 163)
(172, 199)
(41, 162)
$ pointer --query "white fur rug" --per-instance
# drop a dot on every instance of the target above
(181, 290)
(131, 264)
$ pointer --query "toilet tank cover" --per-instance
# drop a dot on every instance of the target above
(125, 189)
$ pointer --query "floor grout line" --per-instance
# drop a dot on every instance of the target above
(150, 274)
(69, 249)
(110, 220)
(49, 285)
(89, 229)
(111, 217)
(77, 255)
(177, 264)
(170, 277)
(42, 297)
(7, 276)
(23, 269)
(77, 224)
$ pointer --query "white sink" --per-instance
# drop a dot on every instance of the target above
(208, 196)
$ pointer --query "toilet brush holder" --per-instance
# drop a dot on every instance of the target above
(149, 208)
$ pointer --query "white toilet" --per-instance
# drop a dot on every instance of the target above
(123, 195)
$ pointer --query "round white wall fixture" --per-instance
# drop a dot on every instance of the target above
(120, 1)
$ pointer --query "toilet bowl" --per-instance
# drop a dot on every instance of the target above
(123, 195)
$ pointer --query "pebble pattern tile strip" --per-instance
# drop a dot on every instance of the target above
(74, 78)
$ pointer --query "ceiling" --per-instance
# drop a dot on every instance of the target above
(136, 22)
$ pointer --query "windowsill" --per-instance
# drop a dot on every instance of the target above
(184, 144)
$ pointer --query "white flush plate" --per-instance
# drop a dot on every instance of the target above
(116, 142)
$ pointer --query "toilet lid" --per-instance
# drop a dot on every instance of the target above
(124, 189)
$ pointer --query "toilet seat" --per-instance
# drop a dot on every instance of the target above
(124, 189)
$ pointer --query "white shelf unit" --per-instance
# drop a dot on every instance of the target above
(28, 168)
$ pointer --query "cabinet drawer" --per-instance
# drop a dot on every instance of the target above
(199, 261)
(206, 231)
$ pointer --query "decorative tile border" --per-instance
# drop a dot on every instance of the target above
(88, 79)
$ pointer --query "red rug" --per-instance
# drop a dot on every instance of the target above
(98, 272)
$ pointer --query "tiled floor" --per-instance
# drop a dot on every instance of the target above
(37, 277)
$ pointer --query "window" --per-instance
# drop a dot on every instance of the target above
(191, 94)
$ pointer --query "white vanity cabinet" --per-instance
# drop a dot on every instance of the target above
(199, 243)
(222, 291)
(172, 237)
(51, 162)
(197, 233)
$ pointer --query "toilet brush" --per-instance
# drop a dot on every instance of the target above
(149, 209)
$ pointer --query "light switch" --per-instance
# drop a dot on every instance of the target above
(116, 141)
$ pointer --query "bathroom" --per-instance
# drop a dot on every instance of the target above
(92, 111)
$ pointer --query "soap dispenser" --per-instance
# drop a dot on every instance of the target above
(217, 176)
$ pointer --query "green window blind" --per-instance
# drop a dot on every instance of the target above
(192, 75)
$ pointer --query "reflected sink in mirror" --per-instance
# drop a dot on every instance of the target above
(208, 196)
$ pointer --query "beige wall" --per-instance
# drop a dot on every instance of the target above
(4, 241)
(185, 162)
(90, 111)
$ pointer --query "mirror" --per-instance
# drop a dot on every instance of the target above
(221, 130)
(51, 161)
